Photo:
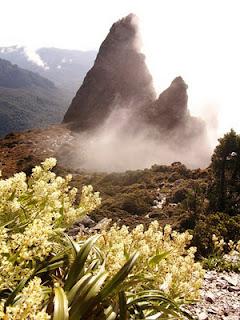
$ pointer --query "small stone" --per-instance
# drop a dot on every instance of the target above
(233, 280)
(210, 297)
(222, 284)
(86, 222)
(103, 224)
(234, 289)
(213, 311)
(210, 277)
(154, 214)
(203, 316)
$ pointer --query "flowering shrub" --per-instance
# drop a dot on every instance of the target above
(177, 275)
(225, 256)
(33, 214)
(118, 274)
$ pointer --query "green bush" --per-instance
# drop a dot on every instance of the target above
(219, 224)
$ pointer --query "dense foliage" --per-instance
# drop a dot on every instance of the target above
(225, 193)
(45, 273)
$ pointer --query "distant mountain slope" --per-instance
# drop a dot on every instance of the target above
(66, 68)
(11, 76)
(27, 100)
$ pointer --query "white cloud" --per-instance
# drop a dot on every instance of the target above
(34, 57)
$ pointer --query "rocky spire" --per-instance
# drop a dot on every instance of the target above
(118, 78)
(170, 109)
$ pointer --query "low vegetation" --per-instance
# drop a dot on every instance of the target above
(46, 274)
(225, 256)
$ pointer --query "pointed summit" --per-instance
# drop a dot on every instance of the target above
(118, 78)
(170, 109)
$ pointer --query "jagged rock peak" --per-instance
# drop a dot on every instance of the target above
(174, 99)
(125, 30)
(170, 109)
(179, 82)
(118, 78)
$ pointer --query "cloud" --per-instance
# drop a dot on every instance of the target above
(122, 143)
(32, 56)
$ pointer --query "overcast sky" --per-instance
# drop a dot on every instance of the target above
(196, 39)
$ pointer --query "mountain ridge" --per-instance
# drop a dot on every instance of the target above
(12, 76)
(27, 100)
(66, 68)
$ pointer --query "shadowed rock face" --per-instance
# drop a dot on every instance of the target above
(170, 109)
(118, 78)
(170, 115)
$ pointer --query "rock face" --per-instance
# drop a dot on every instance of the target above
(117, 108)
(170, 109)
(118, 78)
(171, 116)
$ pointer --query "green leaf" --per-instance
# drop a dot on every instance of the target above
(126, 254)
(119, 277)
(73, 245)
(99, 254)
(4, 225)
(78, 286)
(60, 305)
(87, 299)
(51, 266)
(123, 312)
(12, 196)
(77, 267)
(13, 295)
(157, 258)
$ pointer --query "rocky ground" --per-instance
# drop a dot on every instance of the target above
(220, 297)
(22, 151)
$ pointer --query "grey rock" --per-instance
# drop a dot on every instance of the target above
(231, 279)
(210, 297)
(103, 224)
(234, 289)
(86, 222)
(203, 316)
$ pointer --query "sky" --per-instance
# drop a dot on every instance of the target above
(197, 39)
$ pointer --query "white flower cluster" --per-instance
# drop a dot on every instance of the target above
(177, 274)
(33, 214)
(233, 249)
(29, 305)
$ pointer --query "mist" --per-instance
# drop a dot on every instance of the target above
(123, 143)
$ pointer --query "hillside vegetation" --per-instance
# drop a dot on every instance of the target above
(28, 100)
(186, 199)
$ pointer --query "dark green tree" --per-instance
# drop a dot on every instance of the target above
(225, 191)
